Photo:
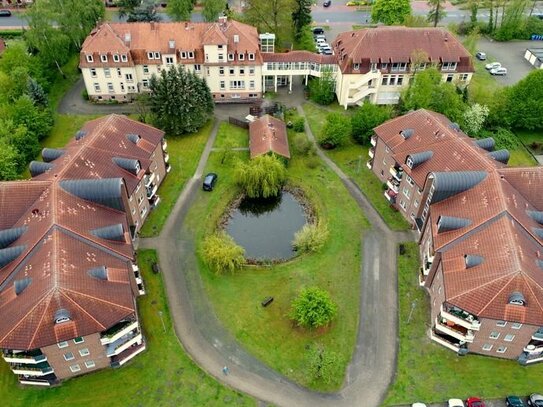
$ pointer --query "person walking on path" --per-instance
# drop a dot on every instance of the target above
(225, 370)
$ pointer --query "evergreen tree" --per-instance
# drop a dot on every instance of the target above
(36, 93)
(301, 17)
(180, 101)
(437, 11)
(145, 12)
(127, 6)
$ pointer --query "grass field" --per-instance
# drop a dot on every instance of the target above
(185, 152)
(236, 136)
(161, 376)
(428, 372)
(267, 332)
(352, 158)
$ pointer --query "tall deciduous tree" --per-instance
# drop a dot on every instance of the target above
(212, 9)
(222, 254)
(180, 10)
(390, 12)
(321, 90)
(270, 15)
(301, 16)
(365, 118)
(9, 157)
(436, 12)
(336, 130)
(180, 101)
(524, 106)
(262, 177)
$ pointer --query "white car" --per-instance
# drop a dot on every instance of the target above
(455, 403)
(418, 405)
(493, 65)
(499, 71)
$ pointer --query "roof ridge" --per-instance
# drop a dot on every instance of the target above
(67, 290)
(497, 292)
(81, 308)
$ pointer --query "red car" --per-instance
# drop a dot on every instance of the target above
(475, 402)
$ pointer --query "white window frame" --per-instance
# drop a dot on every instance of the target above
(145, 83)
(124, 58)
(501, 349)
(146, 69)
(241, 57)
(251, 70)
(63, 344)
(494, 335)
(93, 73)
(157, 55)
(509, 338)
(221, 70)
(119, 73)
(197, 68)
(103, 57)
(501, 323)
(251, 56)
(221, 57)
(169, 60)
(190, 55)
(356, 67)
(116, 58)
(107, 72)
(89, 364)
(150, 55)
(516, 325)
(75, 368)
(230, 56)
(97, 87)
(487, 347)
(251, 84)
(222, 84)
(410, 180)
(84, 352)
(231, 71)
(68, 356)
(183, 54)
(90, 58)
(110, 87)
(81, 341)
(407, 192)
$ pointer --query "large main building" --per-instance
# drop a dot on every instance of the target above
(68, 276)
(238, 64)
(481, 233)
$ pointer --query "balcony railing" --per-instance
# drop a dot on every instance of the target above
(123, 343)
(534, 346)
(127, 354)
(168, 168)
(369, 164)
(117, 331)
(538, 334)
(166, 157)
(527, 358)
(456, 331)
(460, 317)
(390, 196)
(448, 341)
(149, 178)
(164, 145)
(30, 358)
(396, 172)
(393, 184)
(373, 141)
(40, 369)
(371, 152)
(151, 191)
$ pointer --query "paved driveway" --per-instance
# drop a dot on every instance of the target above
(511, 55)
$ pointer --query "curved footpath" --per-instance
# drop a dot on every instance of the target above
(212, 347)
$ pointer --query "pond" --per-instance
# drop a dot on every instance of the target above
(265, 228)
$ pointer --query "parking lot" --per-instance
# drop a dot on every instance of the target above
(511, 56)
(488, 403)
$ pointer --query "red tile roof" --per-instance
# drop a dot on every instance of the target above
(268, 135)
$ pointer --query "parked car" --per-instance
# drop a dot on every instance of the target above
(514, 401)
(492, 65)
(327, 52)
(481, 56)
(327, 3)
(418, 405)
(318, 30)
(499, 71)
(455, 403)
(320, 41)
(535, 400)
(5, 13)
(475, 402)
(320, 36)
(209, 181)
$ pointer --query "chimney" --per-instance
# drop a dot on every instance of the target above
(236, 38)
(171, 44)
(127, 38)
(222, 20)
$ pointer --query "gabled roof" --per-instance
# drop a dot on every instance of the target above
(268, 135)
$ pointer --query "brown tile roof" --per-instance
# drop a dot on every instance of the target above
(268, 134)
(188, 36)
(395, 44)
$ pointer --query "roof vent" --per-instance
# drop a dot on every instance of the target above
(536, 215)
(8, 236)
(127, 38)
(236, 38)
(20, 285)
(472, 260)
(134, 138)
(454, 126)
(39, 167)
(9, 254)
(80, 134)
(414, 160)
(448, 184)
(171, 44)
(406, 133)
(100, 273)
(486, 143)
(538, 232)
(51, 154)
(448, 223)
(128, 164)
(516, 298)
(113, 232)
(62, 315)
(500, 155)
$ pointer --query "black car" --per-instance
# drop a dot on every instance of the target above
(209, 181)
(327, 3)
(514, 401)
(5, 13)
(318, 30)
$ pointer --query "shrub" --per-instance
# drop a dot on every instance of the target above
(313, 308)
(324, 365)
(335, 131)
(321, 90)
(310, 238)
(222, 254)
(312, 162)
(365, 118)
(301, 144)
(298, 125)
(262, 177)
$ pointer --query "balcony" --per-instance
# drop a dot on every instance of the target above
(149, 178)
(127, 354)
(538, 335)
(371, 152)
(373, 141)
(40, 369)
(390, 196)
(168, 168)
(534, 346)
(141, 288)
(154, 201)
(369, 164)
(449, 342)
(30, 358)
(123, 343)
(526, 358)
(460, 317)
(166, 157)
(164, 144)
(151, 191)
(459, 332)
(393, 185)
(396, 172)
(137, 274)
(117, 331)
(46, 380)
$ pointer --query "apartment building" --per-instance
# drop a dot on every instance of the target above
(238, 64)
(481, 233)
(68, 276)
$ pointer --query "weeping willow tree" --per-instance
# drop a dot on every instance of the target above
(262, 177)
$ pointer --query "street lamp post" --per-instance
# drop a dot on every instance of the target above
(162, 320)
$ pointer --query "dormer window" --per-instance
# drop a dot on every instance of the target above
(157, 55)
(409, 162)
(183, 55)
(384, 65)
(230, 56)
(150, 55)
(90, 58)
(448, 66)
(116, 58)
(241, 57)
(191, 55)
(251, 57)
(62, 315)
(516, 298)
(103, 57)
(356, 67)
(124, 58)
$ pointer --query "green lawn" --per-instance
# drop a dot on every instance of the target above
(62, 85)
(236, 135)
(427, 371)
(482, 85)
(161, 376)
(185, 152)
(532, 139)
(521, 158)
(352, 158)
(267, 332)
